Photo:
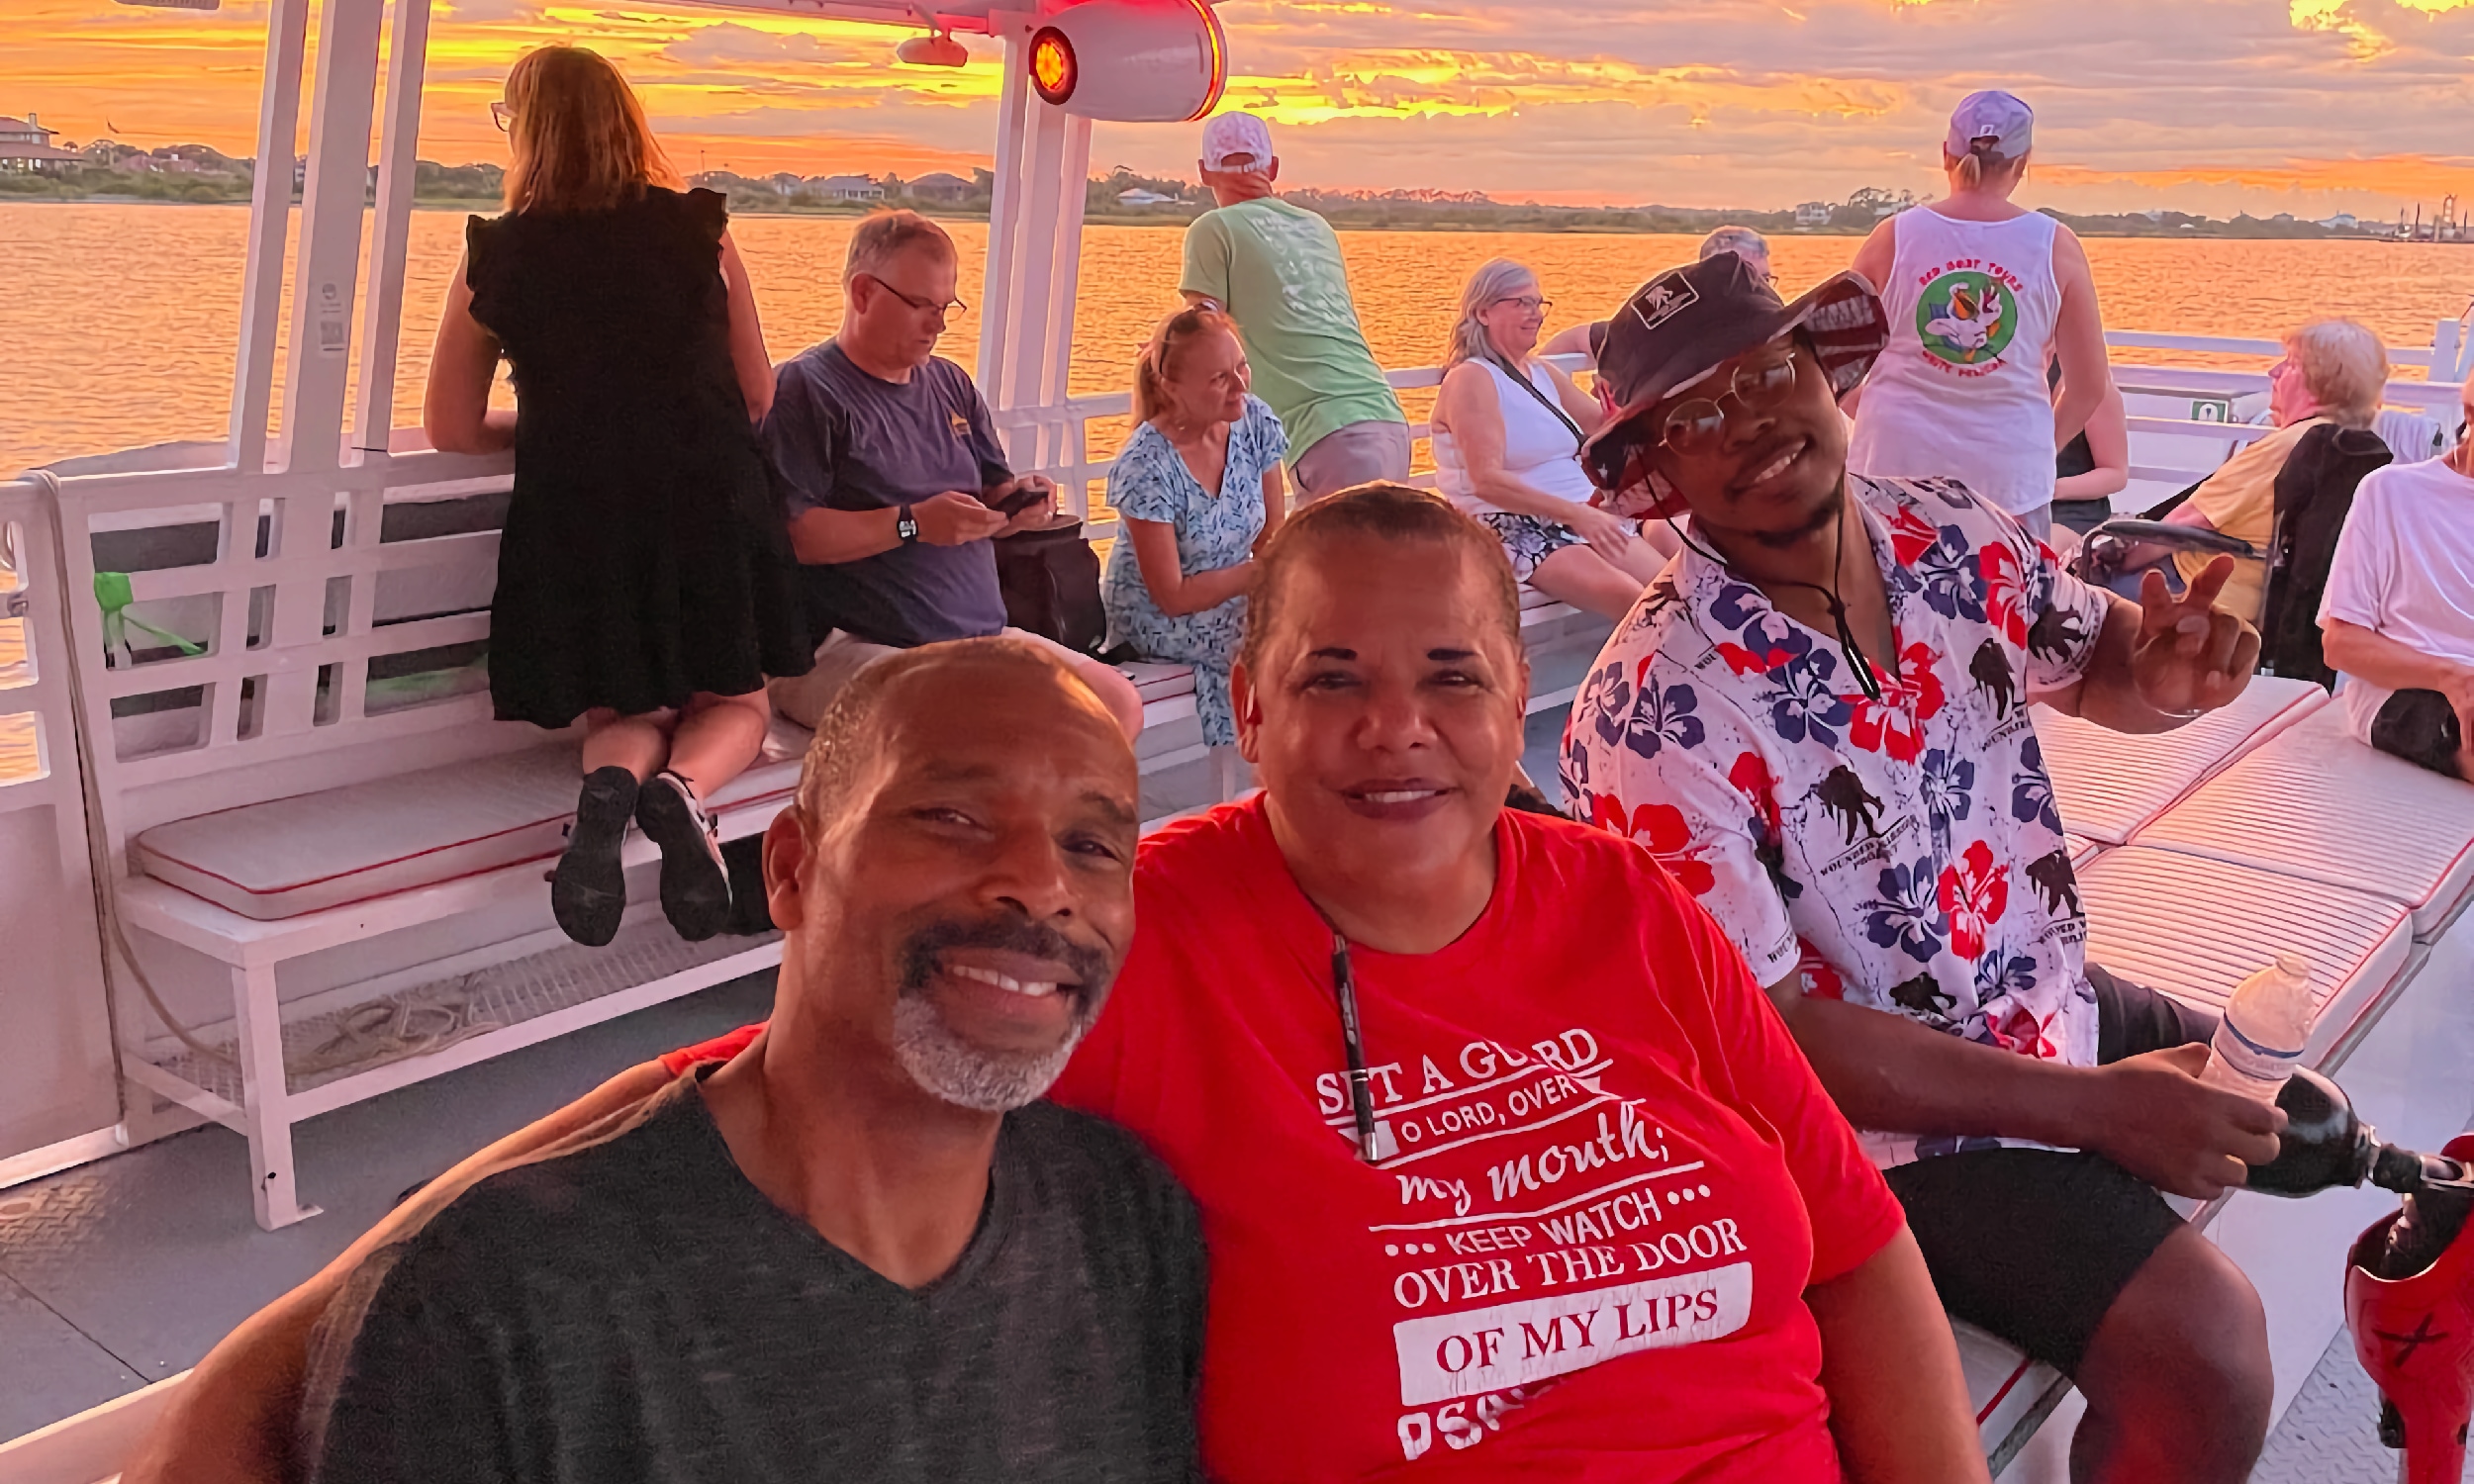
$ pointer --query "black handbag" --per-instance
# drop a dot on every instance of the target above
(1050, 580)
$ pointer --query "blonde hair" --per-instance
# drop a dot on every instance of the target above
(1489, 286)
(885, 235)
(1151, 368)
(1970, 170)
(2344, 366)
(578, 136)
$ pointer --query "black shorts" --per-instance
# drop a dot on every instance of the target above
(2420, 727)
(2034, 1245)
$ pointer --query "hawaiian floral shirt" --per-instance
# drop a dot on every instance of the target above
(1905, 853)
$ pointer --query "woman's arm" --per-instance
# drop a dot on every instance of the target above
(2109, 444)
(1898, 1400)
(455, 411)
(2370, 656)
(2078, 339)
(1572, 340)
(1881, 252)
(232, 1420)
(1467, 409)
(1275, 504)
(747, 336)
(1175, 591)
(1579, 404)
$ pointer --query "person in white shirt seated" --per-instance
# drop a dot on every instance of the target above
(1507, 434)
(2398, 615)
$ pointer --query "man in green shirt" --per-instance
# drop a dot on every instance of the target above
(1275, 269)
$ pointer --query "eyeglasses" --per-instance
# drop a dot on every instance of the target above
(1692, 427)
(501, 115)
(947, 310)
(1530, 304)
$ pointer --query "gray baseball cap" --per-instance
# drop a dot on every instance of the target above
(1990, 122)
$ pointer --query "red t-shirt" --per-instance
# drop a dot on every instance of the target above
(1607, 1174)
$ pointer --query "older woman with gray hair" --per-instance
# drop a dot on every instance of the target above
(1507, 434)
(2333, 371)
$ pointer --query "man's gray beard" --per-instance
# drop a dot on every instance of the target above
(950, 1068)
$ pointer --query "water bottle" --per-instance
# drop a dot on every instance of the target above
(2259, 1040)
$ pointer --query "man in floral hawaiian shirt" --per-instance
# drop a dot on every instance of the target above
(1817, 717)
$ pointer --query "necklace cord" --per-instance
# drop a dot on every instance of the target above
(1849, 648)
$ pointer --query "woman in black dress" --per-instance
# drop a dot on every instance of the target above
(644, 580)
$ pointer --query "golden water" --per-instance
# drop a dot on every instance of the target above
(119, 321)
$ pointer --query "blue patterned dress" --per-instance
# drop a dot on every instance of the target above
(1151, 482)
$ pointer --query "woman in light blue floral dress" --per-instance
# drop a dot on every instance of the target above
(1196, 491)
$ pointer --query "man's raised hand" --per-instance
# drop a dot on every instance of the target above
(2191, 656)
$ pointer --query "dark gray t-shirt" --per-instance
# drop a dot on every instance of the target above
(846, 440)
(636, 1311)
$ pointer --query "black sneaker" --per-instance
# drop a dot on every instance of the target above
(589, 894)
(694, 885)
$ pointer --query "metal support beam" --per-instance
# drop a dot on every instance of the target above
(1034, 259)
(382, 322)
(327, 263)
(270, 219)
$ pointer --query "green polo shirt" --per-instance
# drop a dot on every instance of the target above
(1276, 269)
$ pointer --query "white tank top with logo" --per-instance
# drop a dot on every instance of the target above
(1961, 392)
(1540, 448)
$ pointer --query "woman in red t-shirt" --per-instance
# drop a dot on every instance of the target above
(1506, 1168)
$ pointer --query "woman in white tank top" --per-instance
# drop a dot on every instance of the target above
(1507, 451)
(1981, 294)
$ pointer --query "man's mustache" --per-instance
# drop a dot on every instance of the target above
(922, 950)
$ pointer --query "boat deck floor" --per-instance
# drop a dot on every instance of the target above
(128, 1270)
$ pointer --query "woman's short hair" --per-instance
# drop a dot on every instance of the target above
(1496, 280)
(1156, 364)
(885, 235)
(578, 141)
(1389, 512)
(2344, 367)
(1743, 242)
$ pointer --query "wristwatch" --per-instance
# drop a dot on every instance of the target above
(906, 526)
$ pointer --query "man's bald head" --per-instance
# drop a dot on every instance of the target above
(955, 878)
(914, 685)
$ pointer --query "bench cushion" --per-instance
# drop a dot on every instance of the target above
(2194, 928)
(1158, 680)
(2315, 804)
(314, 851)
(2108, 784)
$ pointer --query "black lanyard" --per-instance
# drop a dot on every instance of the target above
(1353, 1045)
(1848, 649)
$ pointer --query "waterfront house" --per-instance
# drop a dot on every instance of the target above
(848, 188)
(1140, 197)
(941, 189)
(1813, 214)
(26, 146)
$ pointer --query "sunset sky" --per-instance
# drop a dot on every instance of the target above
(2309, 106)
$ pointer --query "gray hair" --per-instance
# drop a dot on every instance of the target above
(1496, 280)
(1743, 242)
(886, 235)
(2344, 366)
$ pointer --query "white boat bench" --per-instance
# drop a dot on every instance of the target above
(316, 829)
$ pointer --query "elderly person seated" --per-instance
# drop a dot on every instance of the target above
(1196, 491)
(2397, 617)
(2333, 371)
(1508, 430)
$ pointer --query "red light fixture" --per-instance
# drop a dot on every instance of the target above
(1054, 71)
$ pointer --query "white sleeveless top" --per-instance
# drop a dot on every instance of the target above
(1539, 449)
(1960, 392)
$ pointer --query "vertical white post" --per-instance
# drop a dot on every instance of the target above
(1005, 206)
(270, 217)
(327, 262)
(266, 1100)
(382, 322)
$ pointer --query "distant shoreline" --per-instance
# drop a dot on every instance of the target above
(1385, 216)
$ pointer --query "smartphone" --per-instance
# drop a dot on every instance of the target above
(1021, 499)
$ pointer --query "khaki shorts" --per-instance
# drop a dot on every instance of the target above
(1354, 455)
(804, 698)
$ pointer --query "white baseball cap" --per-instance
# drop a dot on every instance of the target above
(2004, 122)
(1232, 134)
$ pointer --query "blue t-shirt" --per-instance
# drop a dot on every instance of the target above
(846, 440)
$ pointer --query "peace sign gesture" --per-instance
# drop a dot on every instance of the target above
(2190, 656)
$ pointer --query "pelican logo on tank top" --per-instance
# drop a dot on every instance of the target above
(1968, 316)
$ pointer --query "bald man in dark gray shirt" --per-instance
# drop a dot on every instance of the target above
(860, 1249)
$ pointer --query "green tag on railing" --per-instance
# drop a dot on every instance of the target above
(113, 594)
